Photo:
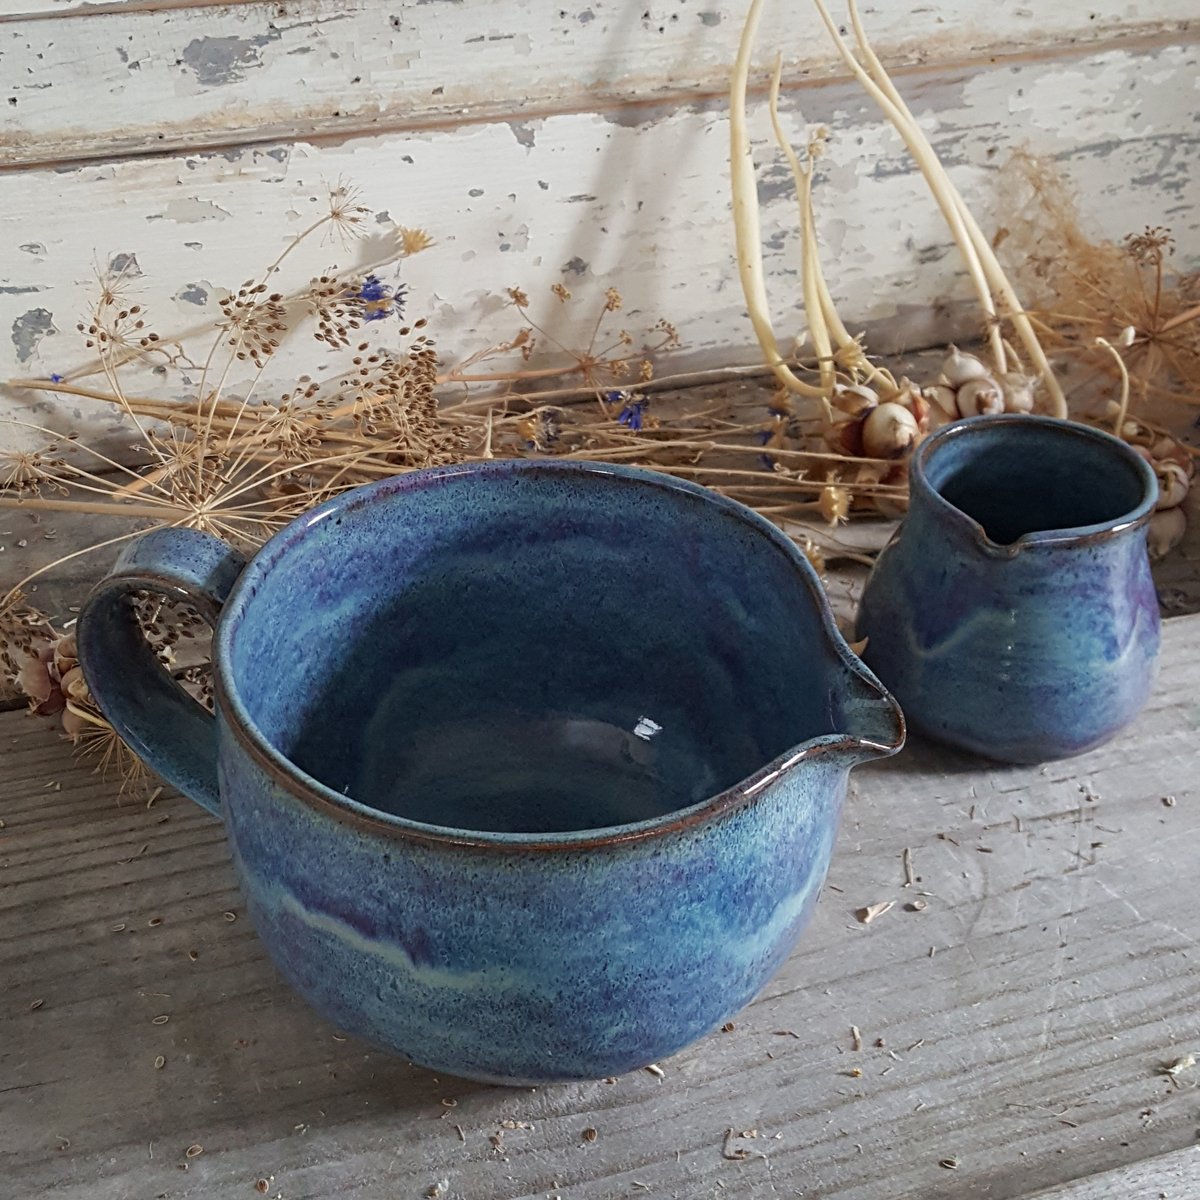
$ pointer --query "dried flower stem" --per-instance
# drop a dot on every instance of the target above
(1182, 318)
(976, 249)
(1123, 406)
(879, 87)
(154, 512)
(814, 308)
(747, 229)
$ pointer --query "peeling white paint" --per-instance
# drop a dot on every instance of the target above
(633, 197)
(28, 330)
(179, 77)
(187, 210)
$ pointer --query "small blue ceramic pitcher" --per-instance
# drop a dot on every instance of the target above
(1013, 613)
(530, 771)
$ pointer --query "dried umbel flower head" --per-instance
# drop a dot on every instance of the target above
(31, 472)
(254, 321)
(335, 308)
(412, 241)
(834, 504)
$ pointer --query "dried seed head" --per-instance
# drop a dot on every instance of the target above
(834, 504)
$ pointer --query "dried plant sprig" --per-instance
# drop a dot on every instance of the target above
(746, 222)
(814, 295)
(976, 249)
(1092, 287)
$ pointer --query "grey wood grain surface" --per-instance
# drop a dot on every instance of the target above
(1169, 1177)
(1015, 1032)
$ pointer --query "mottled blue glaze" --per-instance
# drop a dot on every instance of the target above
(157, 719)
(531, 771)
(1013, 613)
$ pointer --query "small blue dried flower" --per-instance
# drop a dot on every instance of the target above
(766, 461)
(633, 414)
(379, 300)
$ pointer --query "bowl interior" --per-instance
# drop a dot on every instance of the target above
(1028, 475)
(530, 650)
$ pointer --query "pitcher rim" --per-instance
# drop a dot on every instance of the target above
(305, 787)
(1076, 535)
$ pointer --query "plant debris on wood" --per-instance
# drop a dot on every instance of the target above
(871, 911)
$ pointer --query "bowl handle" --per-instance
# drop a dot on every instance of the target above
(153, 714)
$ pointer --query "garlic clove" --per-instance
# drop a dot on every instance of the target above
(908, 395)
(74, 724)
(34, 681)
(1173, 484)
(74, 685)
(960, 368)
(853, 399)
(1167, 528)
(66, 655)
(1168, 449)
(889, 431)
(942, 395)
(920, 409)
(979, 397)
(1018, 391)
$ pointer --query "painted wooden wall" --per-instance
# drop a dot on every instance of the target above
(540, 143)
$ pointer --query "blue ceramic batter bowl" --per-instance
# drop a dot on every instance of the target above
(531, 771)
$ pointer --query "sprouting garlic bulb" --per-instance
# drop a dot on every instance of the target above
(1167, 528)
(1018, 391)
(910, 396)
(1173, 484)
(960, 368)
(889, 431)
(979, 397)
(854, 399)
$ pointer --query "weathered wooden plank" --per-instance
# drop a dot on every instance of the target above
(1026, 1014)
(179, 77)
(40, 10)
(639, 202)
(1169, 1177)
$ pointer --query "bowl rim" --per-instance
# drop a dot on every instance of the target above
(299, 784)
(974, 428)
